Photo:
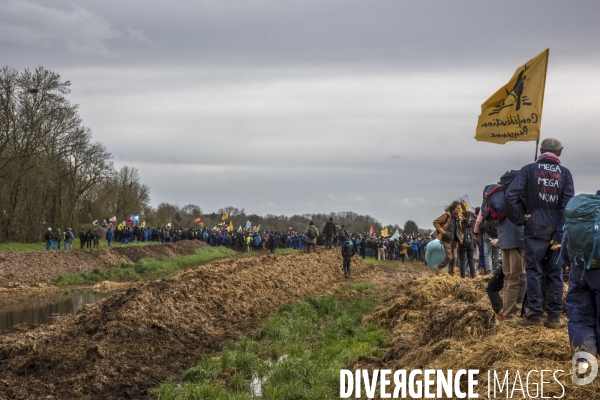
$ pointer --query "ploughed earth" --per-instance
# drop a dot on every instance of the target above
(25, 270)
(127, 343)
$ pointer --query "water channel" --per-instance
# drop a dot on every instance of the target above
(42, 308)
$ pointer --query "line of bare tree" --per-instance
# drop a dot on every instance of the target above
(51, 173)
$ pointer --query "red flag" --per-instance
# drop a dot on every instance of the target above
(371, 231)
(289, 228)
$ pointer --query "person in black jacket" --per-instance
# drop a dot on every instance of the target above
(81, 238)
(329, 231)
(465, 249)
(347, 254)
(88, 239)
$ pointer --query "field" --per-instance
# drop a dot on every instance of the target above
(208, 323)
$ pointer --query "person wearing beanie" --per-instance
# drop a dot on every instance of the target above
(536, 199)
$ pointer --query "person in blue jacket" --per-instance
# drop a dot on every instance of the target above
(537, 198)
(109, 236)
(583, 303)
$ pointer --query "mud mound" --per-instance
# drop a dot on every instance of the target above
(453, 326)
(119, 347)
(39, 267)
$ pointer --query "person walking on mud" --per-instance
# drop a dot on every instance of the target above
(347, 254)
(329, 232)
(450, 233)
(312, 233)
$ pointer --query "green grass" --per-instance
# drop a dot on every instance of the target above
(298, 352)
(147, 267)
(22, 247)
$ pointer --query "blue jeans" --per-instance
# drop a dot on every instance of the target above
(48, 244)
(56, 244)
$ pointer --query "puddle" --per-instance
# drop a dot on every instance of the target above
(44, 307)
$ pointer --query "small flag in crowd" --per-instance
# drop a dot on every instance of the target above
(169, 225)
(240, 229)
(113, 219)
(230, 227)
(95, 222)
(197, 220)
(135, 219)
(144, 224)
(371, 231)
(290, 228)
(384, 232)
(224, 216)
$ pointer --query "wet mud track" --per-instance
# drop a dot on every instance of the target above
(124, 345)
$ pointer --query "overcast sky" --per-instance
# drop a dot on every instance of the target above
(296, 107)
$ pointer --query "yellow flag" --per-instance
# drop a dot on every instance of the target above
(514, 112)
(224, 216)
(384, 232)
(230, 227)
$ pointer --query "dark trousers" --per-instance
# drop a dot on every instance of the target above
(583, 300)
(540, 261)
(328, 242)
(346, 266)
(493, 289)
(311, 245)
(465, 258)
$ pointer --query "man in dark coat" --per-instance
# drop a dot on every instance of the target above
(537, 198)
(329, 232)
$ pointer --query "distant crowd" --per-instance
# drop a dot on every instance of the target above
(401, 247)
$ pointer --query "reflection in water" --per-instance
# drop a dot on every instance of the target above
(43, 308)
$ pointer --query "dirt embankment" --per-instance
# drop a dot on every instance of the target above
(444, 323)
(121, 346)
(43, 267)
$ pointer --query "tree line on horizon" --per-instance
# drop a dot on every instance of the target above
(52, 174)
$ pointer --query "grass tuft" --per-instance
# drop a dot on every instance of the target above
(146, 267)
(297, 352)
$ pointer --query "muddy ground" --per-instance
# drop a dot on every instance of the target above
(124, 345)
(38, 268)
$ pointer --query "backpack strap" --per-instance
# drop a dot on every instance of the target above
(589, 261)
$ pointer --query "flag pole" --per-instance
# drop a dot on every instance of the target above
(542, 105)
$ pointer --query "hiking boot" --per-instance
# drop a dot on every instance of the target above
(530, 322)
(555, 323)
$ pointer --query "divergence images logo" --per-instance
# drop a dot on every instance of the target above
(584, 367)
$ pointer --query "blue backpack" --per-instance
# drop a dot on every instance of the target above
(582, 231)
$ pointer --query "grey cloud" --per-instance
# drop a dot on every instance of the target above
(314, 106)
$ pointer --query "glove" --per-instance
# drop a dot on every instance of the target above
(554, 245)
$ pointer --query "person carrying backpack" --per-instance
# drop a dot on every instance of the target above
(581, 246)
(312, 233)
(347, 254)
(536, 199)
(465, 249)
(344, 234)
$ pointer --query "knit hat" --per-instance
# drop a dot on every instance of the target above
(551, 144)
